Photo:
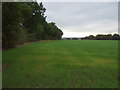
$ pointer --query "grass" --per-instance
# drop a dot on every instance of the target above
(62, 64)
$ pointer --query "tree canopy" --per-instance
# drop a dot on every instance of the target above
(103, 37)
(25, 22)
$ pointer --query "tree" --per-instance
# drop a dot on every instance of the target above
(103, 37)
(23, 22)
(116, 37)
(11, 23)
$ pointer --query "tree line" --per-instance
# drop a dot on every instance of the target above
(26, 22)
(103, 37)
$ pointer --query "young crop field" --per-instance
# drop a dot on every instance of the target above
(62, 64)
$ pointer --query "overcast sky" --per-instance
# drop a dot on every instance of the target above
(79, 19)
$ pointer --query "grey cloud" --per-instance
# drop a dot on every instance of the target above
(83, 16)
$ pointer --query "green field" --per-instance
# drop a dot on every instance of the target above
(62, 64)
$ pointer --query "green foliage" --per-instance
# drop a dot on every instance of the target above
(26, 11)
(103, 37)
(11, 23)
(39, 32)
(54, 31)
(24, 22)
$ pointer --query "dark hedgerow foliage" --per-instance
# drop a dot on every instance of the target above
(103, 37)
(25, 22)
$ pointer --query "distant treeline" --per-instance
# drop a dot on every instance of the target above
(26, 22)
(103, 37)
